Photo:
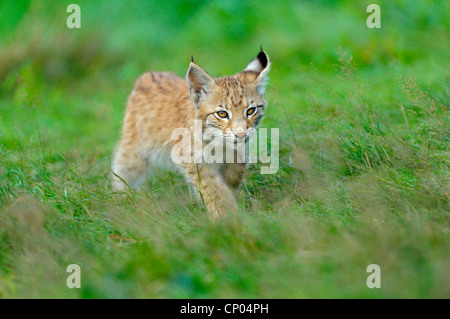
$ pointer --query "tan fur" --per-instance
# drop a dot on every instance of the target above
(162, 102)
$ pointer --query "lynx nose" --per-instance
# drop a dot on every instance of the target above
(240, 134)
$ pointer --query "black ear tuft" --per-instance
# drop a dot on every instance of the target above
(192, 58)
(259, 66)
(262, 57)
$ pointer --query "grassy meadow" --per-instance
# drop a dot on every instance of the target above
(364, 152)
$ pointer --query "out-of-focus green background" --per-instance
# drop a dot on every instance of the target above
(363, 118)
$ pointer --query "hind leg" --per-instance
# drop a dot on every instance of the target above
(130, 165)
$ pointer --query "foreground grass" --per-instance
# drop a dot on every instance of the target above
(363, 173)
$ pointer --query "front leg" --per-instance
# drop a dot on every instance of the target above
(212, 190)
(233, 174)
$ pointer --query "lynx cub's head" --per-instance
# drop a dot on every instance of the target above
(232, 104)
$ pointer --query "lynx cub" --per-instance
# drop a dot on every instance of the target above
(162, 102)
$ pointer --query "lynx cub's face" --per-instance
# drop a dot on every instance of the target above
(232, 104)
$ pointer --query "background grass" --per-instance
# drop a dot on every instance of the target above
(363, 117)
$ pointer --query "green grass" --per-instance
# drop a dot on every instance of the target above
(364, 155)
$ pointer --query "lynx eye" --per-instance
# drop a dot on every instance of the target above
(222, 114)
(251, 111)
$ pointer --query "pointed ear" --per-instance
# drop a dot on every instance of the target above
(199, 82)
(259, 66)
